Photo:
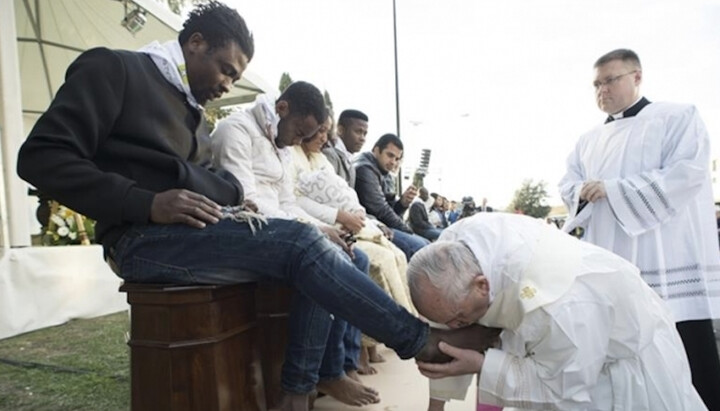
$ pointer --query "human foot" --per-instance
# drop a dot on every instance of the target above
(364, 367)
(475, 337)
(353, 375)
(312, 397)
(349, 391)
(374, 356)
(292, 402)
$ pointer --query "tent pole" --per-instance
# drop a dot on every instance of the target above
(397, 93)
(13, 197)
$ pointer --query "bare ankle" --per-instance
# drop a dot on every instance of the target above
(364, 367)
(374, 356)
(353, 375)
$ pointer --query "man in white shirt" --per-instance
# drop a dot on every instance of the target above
(253, 145)
(352, 129)
(581, 330)
(639, 186)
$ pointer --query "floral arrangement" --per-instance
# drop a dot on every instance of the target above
(66, 227)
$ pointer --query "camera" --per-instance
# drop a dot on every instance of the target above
(349, 239)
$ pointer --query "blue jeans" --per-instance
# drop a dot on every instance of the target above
(431, 234)
(408, 243)
(351, 338)
(343, 355)
(295, 253)
(343, 345)
(353, 344)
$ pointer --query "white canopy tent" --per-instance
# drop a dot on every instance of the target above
(38, 40)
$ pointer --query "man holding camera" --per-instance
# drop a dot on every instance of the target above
(379, 199)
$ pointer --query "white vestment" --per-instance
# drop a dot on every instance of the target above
(659, 211)
(581, 330)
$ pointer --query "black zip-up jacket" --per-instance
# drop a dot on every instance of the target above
(373, 196)
(418, 218)
(116, 133)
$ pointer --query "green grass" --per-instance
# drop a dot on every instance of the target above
(81, 365)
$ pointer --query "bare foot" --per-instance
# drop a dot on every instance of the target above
(292, 402)
(364, 367)
(311, 399)
(349, 391)
(353, 375)
(475, 337)
(374, 355)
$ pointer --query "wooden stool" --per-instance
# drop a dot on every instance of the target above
(195, 348)
(273, 306)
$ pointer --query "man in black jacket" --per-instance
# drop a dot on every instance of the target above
(372, 171)
(124, 142)
(419, 220)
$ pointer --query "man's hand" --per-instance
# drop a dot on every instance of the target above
(185, 207)
(386, 231)
(593, 191)
(408, 196)
(350, 221)
(464, 362)
(250, 205)
(336, 236)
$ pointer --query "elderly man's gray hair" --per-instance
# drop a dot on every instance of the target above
(449, 266)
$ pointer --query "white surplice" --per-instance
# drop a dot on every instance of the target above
(581, 330)
(659, 211)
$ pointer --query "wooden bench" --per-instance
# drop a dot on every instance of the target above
(206, 347)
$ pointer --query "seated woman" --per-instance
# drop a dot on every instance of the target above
(327, 197)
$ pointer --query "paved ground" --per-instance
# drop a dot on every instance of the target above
(402, 388)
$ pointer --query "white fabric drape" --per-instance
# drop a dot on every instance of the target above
(45, 286)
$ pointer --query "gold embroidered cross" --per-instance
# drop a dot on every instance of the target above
(527, 292)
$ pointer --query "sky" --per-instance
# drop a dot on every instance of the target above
(499, 90)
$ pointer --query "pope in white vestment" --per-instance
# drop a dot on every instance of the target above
(581, 329)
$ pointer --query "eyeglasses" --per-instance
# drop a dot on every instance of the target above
(610, 81)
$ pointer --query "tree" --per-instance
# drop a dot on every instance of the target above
(285, 81)
(215, 114)
(177, 6)
(529, 199)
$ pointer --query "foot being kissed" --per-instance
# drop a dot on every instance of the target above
(475, 337)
